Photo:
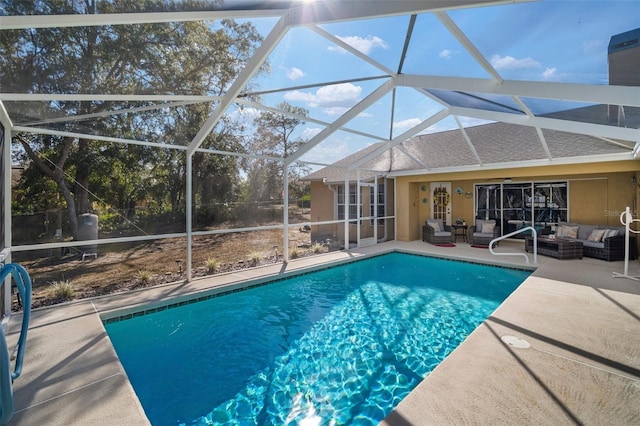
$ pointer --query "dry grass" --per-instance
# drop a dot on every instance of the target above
(120, 267)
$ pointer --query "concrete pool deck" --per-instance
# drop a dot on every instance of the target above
(582, 366)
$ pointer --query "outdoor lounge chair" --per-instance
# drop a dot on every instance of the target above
(483, 232)
(435, 231)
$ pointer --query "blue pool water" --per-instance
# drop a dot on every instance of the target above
(342, 345)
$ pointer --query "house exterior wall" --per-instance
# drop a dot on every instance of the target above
(323, 200)
(322, 209)
(598, 193)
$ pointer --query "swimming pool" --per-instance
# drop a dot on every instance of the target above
(343, 345)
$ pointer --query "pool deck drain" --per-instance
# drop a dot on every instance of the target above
(516, 342)
(583, 365)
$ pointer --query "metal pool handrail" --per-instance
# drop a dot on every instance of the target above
(510, 234)
(23, 283)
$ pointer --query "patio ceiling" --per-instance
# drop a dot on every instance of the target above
(455, 100)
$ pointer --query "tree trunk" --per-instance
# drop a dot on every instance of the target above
(71, 205)
(57, 175)
(81, 186)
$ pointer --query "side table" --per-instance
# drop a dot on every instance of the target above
(456, 227)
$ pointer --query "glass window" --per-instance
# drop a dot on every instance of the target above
(353, 208)
(518, 205)
(488, 202)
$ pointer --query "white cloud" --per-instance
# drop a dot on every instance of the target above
(331, 98)
(511, 63)
(295, 73)
(246, 114)
(549, 73)
(335, 111)
(446, 54)
(328, 152)
(552, 74)
(310, 132)
(364, 45)
(406, 124)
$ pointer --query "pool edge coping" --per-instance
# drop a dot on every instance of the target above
(132, 311)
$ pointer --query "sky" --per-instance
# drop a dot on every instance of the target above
(556, 41)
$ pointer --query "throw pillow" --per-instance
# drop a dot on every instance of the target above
(561, 231)
(572, 232)
(434, 225)
(487, 228)
(610, 233)
(596, 235)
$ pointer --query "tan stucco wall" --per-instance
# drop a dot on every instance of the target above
(322, 207)
(597, 192)
(323, 200)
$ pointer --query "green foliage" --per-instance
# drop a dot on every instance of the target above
(304, 201)
(273, 138)
(192, 58)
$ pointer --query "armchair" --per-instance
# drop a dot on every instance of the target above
(483, 232)
(435, 231)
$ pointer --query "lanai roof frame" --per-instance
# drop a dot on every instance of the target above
(311, 14)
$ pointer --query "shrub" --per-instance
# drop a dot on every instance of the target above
(255, 257)
(305, 201)
(62, 289)
(294, 252)
(212, 265)
(317, 247)
(144, 276)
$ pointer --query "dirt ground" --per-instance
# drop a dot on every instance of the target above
(121, 267)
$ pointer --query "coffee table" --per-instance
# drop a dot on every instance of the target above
(560, 248)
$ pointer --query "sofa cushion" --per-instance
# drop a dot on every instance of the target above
(584, 231)
(435, 224)
(610, 233)
(593, 244)
(483, 235)
(487, 228)
(561, 231)
(596, 235)
(442, 234)
(567, 231)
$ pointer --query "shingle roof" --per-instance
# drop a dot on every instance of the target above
(495, 143)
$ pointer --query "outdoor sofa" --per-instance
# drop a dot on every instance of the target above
(598, 241)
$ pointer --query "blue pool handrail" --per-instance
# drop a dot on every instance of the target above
(23, 283)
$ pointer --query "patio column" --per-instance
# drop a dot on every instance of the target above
(358, 204)
(5, 247)
(285, 219)
(346, 209)
(189, 213)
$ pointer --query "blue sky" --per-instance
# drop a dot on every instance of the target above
(561, 41)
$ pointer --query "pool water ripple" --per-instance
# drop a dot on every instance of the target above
(341, 346)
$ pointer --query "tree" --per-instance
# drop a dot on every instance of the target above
(181, 57)
(274, 138)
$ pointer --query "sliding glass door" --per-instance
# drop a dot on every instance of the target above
(516, 205)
